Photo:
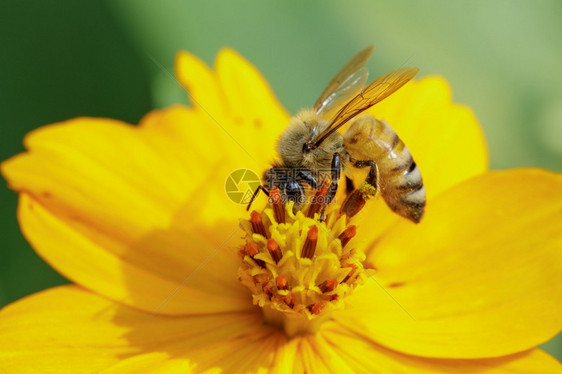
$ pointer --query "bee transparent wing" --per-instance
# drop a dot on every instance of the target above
(348, 82)
(349, 88)
(379, 89)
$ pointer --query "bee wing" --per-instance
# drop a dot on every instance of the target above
(348, 82)
(349, 88)
(379, 89)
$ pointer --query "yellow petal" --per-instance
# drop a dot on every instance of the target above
(242, 354)
(335, 349)
(103, 197)
(238, 100)
(204, 151)
(308, 354)
(200, 83)
(141, 172)
(481, 276)
(445, 140)
(154, 363)
(251, 103)
(164, 271)
(69, 330)
(364, 356)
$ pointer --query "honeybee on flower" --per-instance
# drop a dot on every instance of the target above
(165, 282)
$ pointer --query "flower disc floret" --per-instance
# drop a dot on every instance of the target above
(301, 267)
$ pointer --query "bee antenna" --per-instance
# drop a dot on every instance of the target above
(260, 188)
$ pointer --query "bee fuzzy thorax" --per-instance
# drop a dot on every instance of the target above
(303, 128)
(299, 268)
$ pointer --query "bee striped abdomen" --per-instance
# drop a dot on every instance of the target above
(399, 177)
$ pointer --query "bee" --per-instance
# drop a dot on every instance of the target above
(311, 149)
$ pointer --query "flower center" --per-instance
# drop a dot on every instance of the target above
(299, 268)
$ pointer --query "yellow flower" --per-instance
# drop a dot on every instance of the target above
(138, 218)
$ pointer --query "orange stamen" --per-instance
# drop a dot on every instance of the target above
(251, 249)
(310, 243)
(315, 308)
(257, 224)
(274, 250)
(346, 236)
(353, 269)
(328, 285)
(353, 203)
(277, 203)
(281, 282)
(318, 201)
(290, 300)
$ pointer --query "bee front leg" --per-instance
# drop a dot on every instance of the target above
(357, 199)
(336, 170)
(307, 176)
(331, 193)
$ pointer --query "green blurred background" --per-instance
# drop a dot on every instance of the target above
(62, 59)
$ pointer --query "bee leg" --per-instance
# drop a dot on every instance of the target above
(336, 170)
(373, 171)
(363, 164)
(356, 200)
(260, 187)
(306, 176)
(349, 187)
(331, 193)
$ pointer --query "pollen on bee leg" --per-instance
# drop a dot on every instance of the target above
(257, 224)
(309, 246)
(277, 204)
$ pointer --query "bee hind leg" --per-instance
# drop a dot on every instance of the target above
(356, 200)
